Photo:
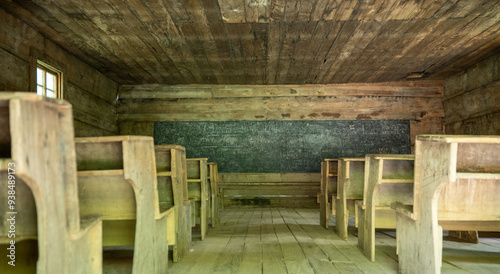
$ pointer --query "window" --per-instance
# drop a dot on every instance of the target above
(48, 81)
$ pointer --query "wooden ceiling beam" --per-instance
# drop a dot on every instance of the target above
(400, 89)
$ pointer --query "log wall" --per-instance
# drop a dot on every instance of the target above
(472, 99)
(418, 101)
(92, 94)
(140, 106)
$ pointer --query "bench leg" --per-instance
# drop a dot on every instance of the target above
(419, 245)
(341, 218)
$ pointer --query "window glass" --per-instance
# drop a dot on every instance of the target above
(51, 79)
(48, 81)
(39, 76)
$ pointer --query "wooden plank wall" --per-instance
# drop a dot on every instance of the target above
(92, 94)
(472, 99)
(140, 106)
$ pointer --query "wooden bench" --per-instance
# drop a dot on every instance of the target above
(37, 150)
(457, 180)
(213, 180)
(117, 179)
(350, 186)
(294, 190)
(388, 180)
(329, 173)
(198, 190)
(172, 190)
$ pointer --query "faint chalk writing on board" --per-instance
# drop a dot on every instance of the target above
(283, 146)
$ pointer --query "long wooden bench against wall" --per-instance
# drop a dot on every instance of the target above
(457, 181)
(329, 173)
(350, 185)
(117, 179)
(213, 180)
(388, 181)
(269, 189)
(173, 192)
(38, 168)
(198, 190)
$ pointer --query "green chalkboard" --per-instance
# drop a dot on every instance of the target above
(283, 146)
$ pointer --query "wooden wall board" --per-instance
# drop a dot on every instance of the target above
(402, 88)
(417, 101)
(471, 99)
(92, 94)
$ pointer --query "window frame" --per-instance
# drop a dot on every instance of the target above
(46, 68)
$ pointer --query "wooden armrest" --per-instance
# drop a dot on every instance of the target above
(474, 175)
(397, 181)
(108, 172)
(87, 222)
(360, 203)
(403, 209)
(166, 210)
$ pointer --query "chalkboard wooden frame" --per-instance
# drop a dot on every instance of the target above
(283, 146)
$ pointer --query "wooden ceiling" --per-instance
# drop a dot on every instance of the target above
(269, 41)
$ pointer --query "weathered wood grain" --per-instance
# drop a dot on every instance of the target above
(196, 169)
(298, 108)
(185, 42)
(329, 175)
(458, 163)
(92, 94)
(117, 179)
(46, 199)
(215, 200)
(350, 185)
(471, 99)
(172, 192)
(269, 189)
(388, 180)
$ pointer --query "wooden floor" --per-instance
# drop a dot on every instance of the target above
(279, 240)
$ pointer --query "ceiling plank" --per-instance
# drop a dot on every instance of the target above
(249, 55)
(276, 31)
(232, 11)
(286, 51)
(237, 52)
(277, 10)
(261, 34)
(337, 49)
(268, 41)
(327, 32)
(302, 46)
(221, 41)
(353, 49)
(169, 36)
(373, 52)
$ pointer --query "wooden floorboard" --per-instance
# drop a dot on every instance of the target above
(285, 240)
